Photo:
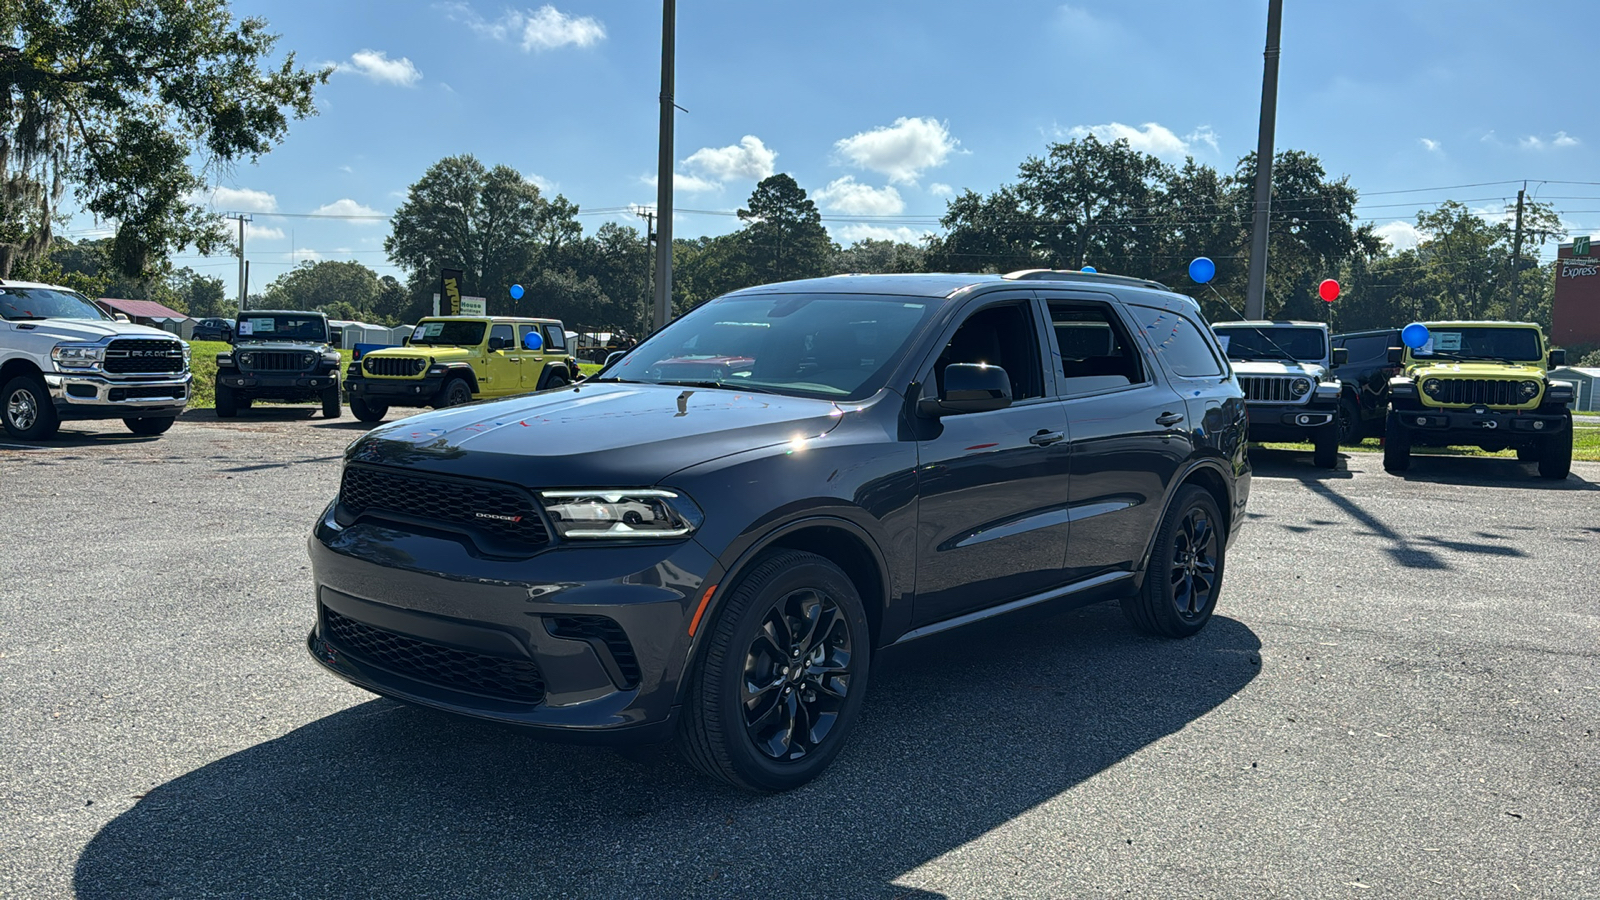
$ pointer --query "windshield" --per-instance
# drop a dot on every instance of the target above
(1244, 344)
(834, 346)
(1509, 344)
(450, 334)
(22, 304)
(282, 328)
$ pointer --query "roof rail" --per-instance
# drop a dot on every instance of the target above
(1073, 275)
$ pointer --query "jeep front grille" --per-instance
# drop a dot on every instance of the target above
(144, 356)
(501, 519)
(393, 366)
(447, 667)
(1269, 389)
(1485, 391)
(276, 360)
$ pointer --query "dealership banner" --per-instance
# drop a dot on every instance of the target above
(450, 292)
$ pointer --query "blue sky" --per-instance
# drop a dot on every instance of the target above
(882, 110)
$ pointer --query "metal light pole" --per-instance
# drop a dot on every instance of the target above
(1255, 300)
(663, 296)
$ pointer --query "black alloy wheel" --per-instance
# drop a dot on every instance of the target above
(1349, 422)
(27, 411)
(781, 678)
(1184, 574)
(455, 393)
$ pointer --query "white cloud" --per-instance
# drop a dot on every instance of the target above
(1152, 138)
(1080, 24)
(545, 28)
(376, 65)
(1560, 140)
(940, 189)
(902, 150)
(687, 184)
(254, 232)
(1430, 145)
(850, 234)
(1400, 235)
(226, 199)
(749, 159)
(306, 254)
(545, 185)
(848, 196)
(346, 207)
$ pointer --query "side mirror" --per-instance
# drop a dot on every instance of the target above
(1341, 355)
(497, 343)
(533, 341)
(970, 388)
(612, 357)
(1558, 358)
(1397, 355)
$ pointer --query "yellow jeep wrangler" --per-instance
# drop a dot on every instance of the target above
(1483, 384)
(449, 360)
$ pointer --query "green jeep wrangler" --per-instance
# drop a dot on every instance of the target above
(450, 360)
(1482, 384)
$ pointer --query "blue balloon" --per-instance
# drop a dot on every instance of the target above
(516, 292)
(1090, 269)
(1202, 270)
(1414, 335)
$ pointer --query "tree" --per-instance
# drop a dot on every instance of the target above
(351, 286)
(783, 237)
(879, 257)
(121, 99)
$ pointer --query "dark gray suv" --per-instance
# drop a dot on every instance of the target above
(711, 539)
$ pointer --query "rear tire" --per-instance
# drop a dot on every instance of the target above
(1396, 446)
(367, 411)
(330, 403)
(1349, 421)
(150, 426)
(27, 411)
(1183, 576)
(227, 405)
(1555, 453)
(1325, 446)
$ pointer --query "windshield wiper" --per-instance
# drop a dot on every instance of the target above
(721, 385)
(26, 318)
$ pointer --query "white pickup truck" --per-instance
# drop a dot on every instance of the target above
(62, 358)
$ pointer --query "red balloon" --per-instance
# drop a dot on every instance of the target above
(1328, 290)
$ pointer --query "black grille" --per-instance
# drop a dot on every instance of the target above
(607, 633)
(167, 392)
(144, 356)
(276, 360)
(394, 366)
(1268, 388)
(504, 516)
(1487, 391)
(447, 667)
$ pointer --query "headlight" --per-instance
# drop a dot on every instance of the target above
(1528, 389)
(247, 359)
(71, 356)
(186, 351)
(622, 513)
(1431, 387)
(1300, 386)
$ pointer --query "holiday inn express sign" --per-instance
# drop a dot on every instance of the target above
(1577, 302)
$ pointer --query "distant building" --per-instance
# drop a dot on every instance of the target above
(141, 312)
(1577, 302)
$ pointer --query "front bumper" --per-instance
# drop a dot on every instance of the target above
(1478, 424)
(395, 392)
(90, 396)
(542, 643)
(1287, 423)
(262, 384)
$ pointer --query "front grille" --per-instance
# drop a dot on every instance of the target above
(1487, 391)
(604, 632)
(143, 356)
(1268, 388)
(447, 667)
(276, 360)
(167, 392)
(501, 518)
(394, 366)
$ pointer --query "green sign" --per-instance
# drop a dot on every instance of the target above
(1580, 246)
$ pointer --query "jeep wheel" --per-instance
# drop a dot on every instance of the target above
(151, 426)
(1527, 454)
(330, 403)
(1184, 573)
(1396, 446)
(1325, 446)
(1349, 422)
(27, 410)
(367, 411)
(1555, 453)
(227, 406)
(780, 680)
(455, 393)
(556, 381)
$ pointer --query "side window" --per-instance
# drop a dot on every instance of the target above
(1368, 349)
(1178, 342)
(522, 334)
(1096, 352)
(554, 338)
(1001, 336)
(501, 335)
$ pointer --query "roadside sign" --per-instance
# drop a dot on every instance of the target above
(1580, 246)
(474, 306)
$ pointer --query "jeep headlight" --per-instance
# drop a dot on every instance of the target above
(1299, 386)
(1528, 389)
(77, 356)
(1431, 387)
(247, 359)
(621, 513)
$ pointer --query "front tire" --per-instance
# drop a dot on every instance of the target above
(1555, 453)
(455, 393)
(368, 411)
(27, 411)
(330, 403)
(1396, 446)
(780, 681)
(1325, 446)
(1184, 573)
(150, 427)
(227, 404)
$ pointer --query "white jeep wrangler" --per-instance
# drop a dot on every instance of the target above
(62, 358)
(1289, 386)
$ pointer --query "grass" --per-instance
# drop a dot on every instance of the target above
(1585, 446)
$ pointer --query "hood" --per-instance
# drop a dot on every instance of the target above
(1452, 369)
(88, 329)
(281, 345)
(439, 354)
(1314, 371)
(594, 435)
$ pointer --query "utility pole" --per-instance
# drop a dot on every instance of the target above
(649, 218)
(242, 219)
(663, 292)
(1516, 260)
(1255, 301)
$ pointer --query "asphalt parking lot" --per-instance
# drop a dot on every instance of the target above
(1400, 696)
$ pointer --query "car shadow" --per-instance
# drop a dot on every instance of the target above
(1274, 462)
(961, 733)
(70, 437)
(1488, 471)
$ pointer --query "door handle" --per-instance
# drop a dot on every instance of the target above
(516, 359)
(1046, 438)
(1169, 419)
